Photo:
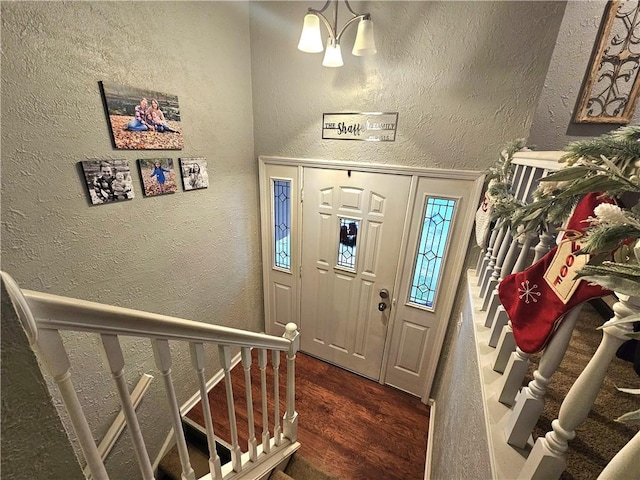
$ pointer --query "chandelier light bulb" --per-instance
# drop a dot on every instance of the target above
(365, 43)
(332, 55)
(310, 39)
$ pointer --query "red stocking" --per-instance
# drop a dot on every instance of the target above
(537, 299)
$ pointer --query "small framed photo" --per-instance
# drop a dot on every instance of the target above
(158, 176)
(108, 180)
(194, 173)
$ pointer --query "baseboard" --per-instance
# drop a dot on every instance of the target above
(212, 382)
(432, 419)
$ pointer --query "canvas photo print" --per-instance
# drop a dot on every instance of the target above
(194, 173)
(108, 180)
(158, 176)
(142, 119)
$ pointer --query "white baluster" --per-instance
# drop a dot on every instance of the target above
(252, 443)
(548, 457)
(236, 454)
(198, 362)
(625, 463)
(162, 356)
(504, 349)
(492, 277)
(277, 429)
(290, 419)
(480, 258)
(262, 363)
(530, 401)
(504, 264)
(57, 361)
(511, 265)
(113, 353)
(494, 244)
(514, 373)
(543, 246)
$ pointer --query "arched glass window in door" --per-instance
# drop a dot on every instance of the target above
(434, 237)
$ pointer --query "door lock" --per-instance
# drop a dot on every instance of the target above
(382, 306)
(384, 293)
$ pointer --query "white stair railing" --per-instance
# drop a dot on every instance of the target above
(547, 459)
(44, 316)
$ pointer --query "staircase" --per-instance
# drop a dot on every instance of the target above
(44, 317)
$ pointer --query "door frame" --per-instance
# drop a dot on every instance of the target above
(456, 263)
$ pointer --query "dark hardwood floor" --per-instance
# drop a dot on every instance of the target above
(349, 426)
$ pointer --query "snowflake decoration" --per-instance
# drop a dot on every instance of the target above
(528, 292)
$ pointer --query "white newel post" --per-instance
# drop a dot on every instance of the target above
(236, 453)
(530, 401)
(115, 359)
(262, 363)
(53, 351)
(162, 355)
(252, 443)
(626, 463)
(197, 360)
(290, 419)
(547, 460)
(277, 429)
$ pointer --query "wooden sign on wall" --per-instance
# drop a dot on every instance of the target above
(611, 88)
(368, 127)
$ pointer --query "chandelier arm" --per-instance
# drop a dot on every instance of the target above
(354, 13)
(357, 17)
(332, 33)
(326, 5)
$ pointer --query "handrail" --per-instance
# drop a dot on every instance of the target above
(55, 312)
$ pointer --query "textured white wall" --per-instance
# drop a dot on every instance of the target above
(464, 77)
(193, 254)
(552, 128)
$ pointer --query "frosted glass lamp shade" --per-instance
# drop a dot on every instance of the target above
(310, 39)
(364, 44)
(332, 55)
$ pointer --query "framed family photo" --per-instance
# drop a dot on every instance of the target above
(194, 173)
(158, 176)
(108, 180)
(142, 119)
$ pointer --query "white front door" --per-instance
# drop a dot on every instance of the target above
(351, 239)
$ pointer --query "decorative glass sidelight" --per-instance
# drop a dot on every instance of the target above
(347, 243)
(282, 223)
(433, 242)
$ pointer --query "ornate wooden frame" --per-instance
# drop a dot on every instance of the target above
(615, 63)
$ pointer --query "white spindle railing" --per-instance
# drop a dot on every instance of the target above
(277, 429)
(262, 363)
(252, 443)
(113, 352)
(197, 360)
(236, 454)
(530, 401)
(547, 459)
(481, 270)
(44, 316)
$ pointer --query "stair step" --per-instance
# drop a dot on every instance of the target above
(299, 468)
(170, 467)
(280, 475)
